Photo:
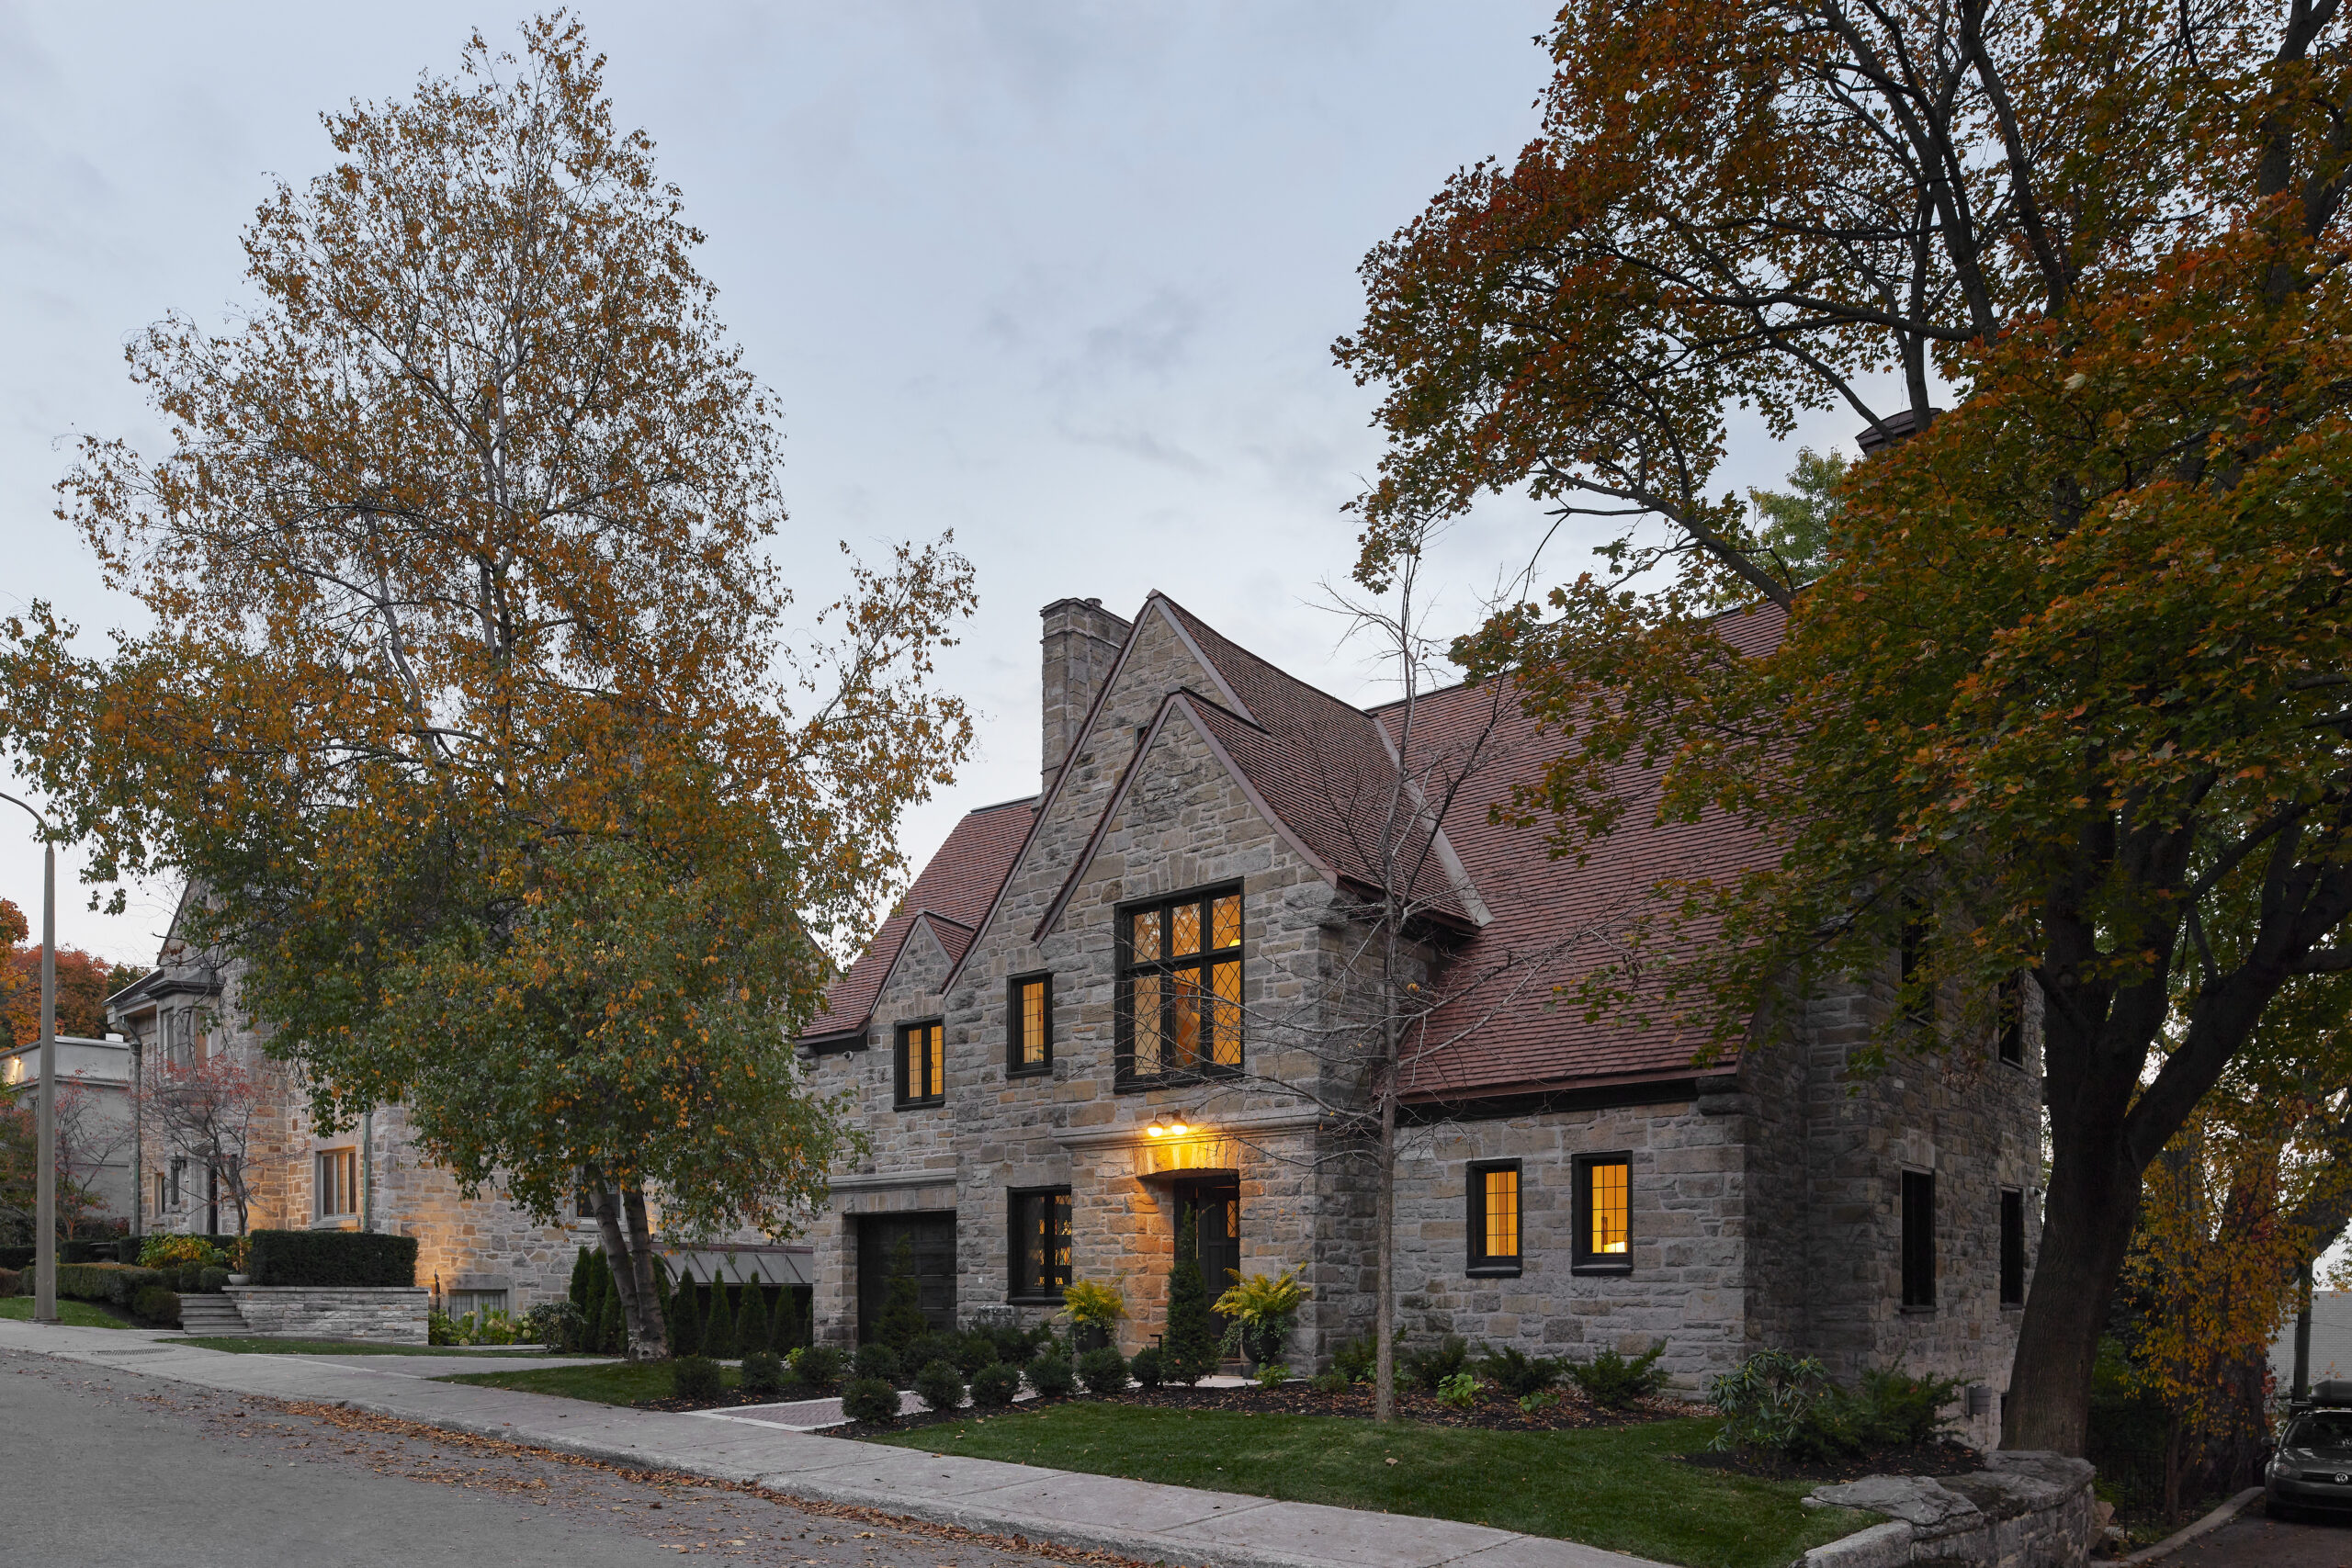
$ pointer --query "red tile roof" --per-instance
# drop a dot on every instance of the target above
(956, 887)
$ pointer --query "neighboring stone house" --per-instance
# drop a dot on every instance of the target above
(1121, 1002)
(94, 1119)
(480, 1252)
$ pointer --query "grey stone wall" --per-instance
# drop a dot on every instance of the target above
(390, 1313)
(2023, 1510)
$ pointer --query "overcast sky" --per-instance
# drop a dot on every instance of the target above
(1062, 279)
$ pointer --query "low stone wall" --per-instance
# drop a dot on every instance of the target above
(393, 1314)
(2023, 1510)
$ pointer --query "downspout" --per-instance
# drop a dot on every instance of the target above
(367, 1170)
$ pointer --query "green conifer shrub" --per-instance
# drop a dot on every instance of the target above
(901, 1320)
(718, 1329)
(871, 1401)
(941, 1385)
(697, 1378)
(995, 1386)
(685, 1317)
(1188, 1349)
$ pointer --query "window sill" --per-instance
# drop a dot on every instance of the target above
(1910, 1310)
(1496, 1272)
(1042, 1070)
(1033, 1300)
(1186, 1079)
(917, 1104)
(2005, 1306)
(1601, 1268)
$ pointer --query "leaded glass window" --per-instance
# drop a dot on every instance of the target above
(1040, 1244)
(922, 1064)
(1181, 987)
(1494, 1218)
(1029, 1024)
(1604, 1212)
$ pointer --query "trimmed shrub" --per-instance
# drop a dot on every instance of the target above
(995, 1386)
(1051, 1375)
(115, 1282)
(1519, 1374)
(1428, 1369)
(879, 1361)
(941, 1385)
(555, 1325)
(1146, 1367)
(929, 1348)
(762, 1372)
(686, 1318)
(974, 1351)
(718, 1329)
(1896, 1410)
(1611, 1382)
(1189, 1348)
(1104, 1372)
(902, 1321)
(820, 1366)
(870, 1400)
(211, 1282)
(167, 1249)
(695, 1377)
(332, 1257)
(155, 1304)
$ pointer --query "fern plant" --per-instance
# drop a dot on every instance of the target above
(1094, 1305)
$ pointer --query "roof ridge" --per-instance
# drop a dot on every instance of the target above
(1261, 661)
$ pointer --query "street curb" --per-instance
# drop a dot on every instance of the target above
(2197, 1532)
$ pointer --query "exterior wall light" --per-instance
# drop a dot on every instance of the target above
(1164, 1125)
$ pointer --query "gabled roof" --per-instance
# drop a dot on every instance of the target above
(950, 896)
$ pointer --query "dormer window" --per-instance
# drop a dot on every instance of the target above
(1180, 988)
(922, 1065)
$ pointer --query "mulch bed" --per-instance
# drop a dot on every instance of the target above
(1942, 1457)
(730, 1399)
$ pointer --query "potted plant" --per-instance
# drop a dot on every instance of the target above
(1262, 1310)
(1093, 1311)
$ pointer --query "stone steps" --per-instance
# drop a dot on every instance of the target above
(209, 1314)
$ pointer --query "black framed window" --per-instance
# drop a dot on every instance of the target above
(1040, 1247)
(1918, 1239)
(1494, 1230)
(1604, 1202)
(1029, 1024)
(2010, 1042)
(1180, 988)
(2012, 1247)
(921, 1063)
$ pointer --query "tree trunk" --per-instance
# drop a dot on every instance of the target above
(628, 1251)
(1383, 1361)
(2094, 1199)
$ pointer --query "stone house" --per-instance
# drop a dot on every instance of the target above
(1137, 996)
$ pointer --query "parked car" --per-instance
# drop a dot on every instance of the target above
(2312, 1465)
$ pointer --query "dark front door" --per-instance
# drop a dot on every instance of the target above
(1214, 1205)
(933, 1243)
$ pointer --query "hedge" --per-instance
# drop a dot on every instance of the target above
(115, 1282)
(331, 1257)
(157, 1304)
(76, 1250)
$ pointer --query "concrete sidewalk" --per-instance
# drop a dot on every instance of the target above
(1154, 1523)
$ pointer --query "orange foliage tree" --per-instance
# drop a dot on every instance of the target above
(471, 703)
(83, 983)
(2068, 687)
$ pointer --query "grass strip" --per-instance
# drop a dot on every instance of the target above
(244, 1346)
(71, 1314)
(613, 1383)
(1617, 1488)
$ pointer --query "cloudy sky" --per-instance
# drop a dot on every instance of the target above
(1062, 279)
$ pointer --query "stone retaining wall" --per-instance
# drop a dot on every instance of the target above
(393, 1314)
(2023, 1510)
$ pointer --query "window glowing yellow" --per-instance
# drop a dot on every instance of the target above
(1147, 1005)
(1226, 921)
(1225, 1037)
(1033, 1022)
(1184, 1020)
(1608, 1204)
(926, 1063)
(1147, 943)
(1187, 936)
(1502, 1213)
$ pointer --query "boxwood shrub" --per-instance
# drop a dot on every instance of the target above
(696, 1378)
(156, 1304)
(332, 1257)
(995, 1386)
(1051, 1376)
(115, 1282)
(940, 1383)
(870, 1400)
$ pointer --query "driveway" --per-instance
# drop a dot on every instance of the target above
(2253, 1541)
(111, 1467)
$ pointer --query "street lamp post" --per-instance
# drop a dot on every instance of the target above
(45, 1121)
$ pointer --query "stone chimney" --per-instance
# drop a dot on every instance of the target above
(1082, 640)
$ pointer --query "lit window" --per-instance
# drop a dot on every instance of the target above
(338, 1183)
(1604, 1212)
(922, 1064)
(1918, 1197)
(1040, 1244)
(1181, 984)
(1494, 1218)
(2012, 1247)
(1029, 1012)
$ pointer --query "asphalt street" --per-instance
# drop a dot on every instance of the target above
(113, 1469)
(2253, 1541)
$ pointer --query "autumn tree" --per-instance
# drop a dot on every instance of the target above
(83, 983)
(469, 705)
(208, 1109)
(2068, 698)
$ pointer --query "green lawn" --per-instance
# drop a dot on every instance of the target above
(1616, 1488)
(615, 1383)
(239, 1346)
(71, 1314)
